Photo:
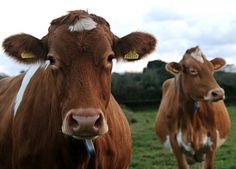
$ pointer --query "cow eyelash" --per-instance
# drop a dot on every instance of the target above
(193, 72)
(110, 57)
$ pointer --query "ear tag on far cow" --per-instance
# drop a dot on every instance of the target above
(132, 55)
(27, 55)
(174, 70)
(217, 66)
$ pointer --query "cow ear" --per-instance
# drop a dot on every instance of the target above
(218, 63)
(134, 46)
(173, 67)
(24, 48)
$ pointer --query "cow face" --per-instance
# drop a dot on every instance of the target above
(196, 75)
(80, 48)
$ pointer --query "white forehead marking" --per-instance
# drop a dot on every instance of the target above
(29, 74)
(83, 24)
(198, 55)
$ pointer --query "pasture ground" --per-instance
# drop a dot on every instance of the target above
(149, 153)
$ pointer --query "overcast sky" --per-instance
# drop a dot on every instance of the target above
(177, 24)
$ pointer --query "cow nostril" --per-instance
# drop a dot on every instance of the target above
(98, 122)
(72, 122)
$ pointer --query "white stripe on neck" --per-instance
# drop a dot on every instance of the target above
(28, 76)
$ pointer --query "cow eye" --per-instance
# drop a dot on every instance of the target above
(110, 57)
(51, 59)
(193, 72)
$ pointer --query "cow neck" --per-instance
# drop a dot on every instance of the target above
(187, 101)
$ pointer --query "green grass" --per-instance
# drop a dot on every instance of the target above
(149, 153)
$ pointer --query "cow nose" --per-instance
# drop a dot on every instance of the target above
(84, 123)
(216, 94)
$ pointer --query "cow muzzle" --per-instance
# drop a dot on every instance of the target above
(215, 95)
(84, 123)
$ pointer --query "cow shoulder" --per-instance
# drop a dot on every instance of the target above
(166, 85)
(4, 83)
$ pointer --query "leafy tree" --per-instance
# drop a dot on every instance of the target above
(145, 88)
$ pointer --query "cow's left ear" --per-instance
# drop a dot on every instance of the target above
(218, 63)
(134, 46)
(24, 48)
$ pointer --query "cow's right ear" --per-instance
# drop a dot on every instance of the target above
(24, 48)
(173, 67)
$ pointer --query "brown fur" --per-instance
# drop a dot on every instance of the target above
(79, 77)
(176, 112)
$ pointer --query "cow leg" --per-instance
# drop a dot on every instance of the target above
(210, 157)
(202, 164)
(180, 158)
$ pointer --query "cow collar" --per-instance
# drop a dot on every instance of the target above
(90, 148)
(196, 106)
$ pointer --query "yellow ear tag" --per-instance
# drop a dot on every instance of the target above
(217, 66)
(175, 70)
(27, 55)
(132, 55)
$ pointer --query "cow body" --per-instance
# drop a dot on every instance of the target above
(48, 113)
(192, 119)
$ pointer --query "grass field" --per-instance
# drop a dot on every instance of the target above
(148, 153)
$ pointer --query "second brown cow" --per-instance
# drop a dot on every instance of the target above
(192, 119)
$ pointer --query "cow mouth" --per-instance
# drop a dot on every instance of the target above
(84, 137)
(214, 99)
(81, 136)
(207, 99)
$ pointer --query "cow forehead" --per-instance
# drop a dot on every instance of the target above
(75, 28)
(82, 25)
(196, 54)
(78, 21)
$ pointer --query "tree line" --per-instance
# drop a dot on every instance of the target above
(145, 88)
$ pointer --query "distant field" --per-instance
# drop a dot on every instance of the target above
(148, 153)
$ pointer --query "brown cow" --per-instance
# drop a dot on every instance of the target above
(63, 104)
(192, 119)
